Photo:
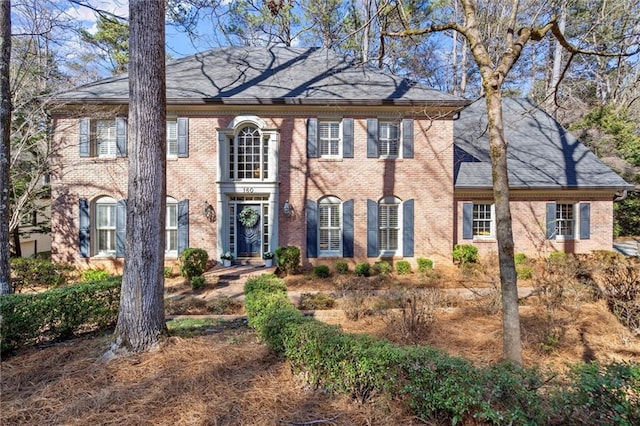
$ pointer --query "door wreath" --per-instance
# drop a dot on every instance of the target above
(248, 217)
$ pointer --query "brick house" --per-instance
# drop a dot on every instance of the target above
(294, 146)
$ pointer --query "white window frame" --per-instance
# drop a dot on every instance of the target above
(386, 141)
(108, 230)
(387, 203)
(258, 174)
(333, 206)
(337, 139)
(171, 228)
(105, 145)
(172, 138)
(562, 210)
(476, 219)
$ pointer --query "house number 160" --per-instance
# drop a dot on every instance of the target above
(248, 190)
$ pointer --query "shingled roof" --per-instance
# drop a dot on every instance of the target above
(275, 75)
(541, 154)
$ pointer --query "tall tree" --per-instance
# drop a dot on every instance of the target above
(5, 130)
(112, 42)
(496, 54)
(141, 316)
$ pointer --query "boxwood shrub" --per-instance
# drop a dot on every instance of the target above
(58, 313)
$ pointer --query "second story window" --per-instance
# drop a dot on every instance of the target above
(104, 132)
(389, 138)
(248, 155)
(172, 138)
(329, 138)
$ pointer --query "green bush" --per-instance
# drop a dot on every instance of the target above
(403, 267)
(57, 313)
(382, 267)
(519, 258)
(525, 272)
(439, 388)
(167, 272)
(317, 301)
(424, 264)
(321, 271)
(288, 259)
(198, 282)
(193, 262)
(342, 267)
(598, 395)
(90, 275)
(362, 269)
(30, 273)
(465, 253)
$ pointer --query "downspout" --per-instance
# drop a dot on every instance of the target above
(620, 197)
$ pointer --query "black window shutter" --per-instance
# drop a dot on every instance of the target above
(407, 228)
(183, 137)
(407, 138)
(85, 228)
(467, 221)
(585, 221)
(312, 138)
(121, 227)
(183, 225)
(551, 220)
(372, 138)
(85, 137)
(347, 138)
(347, 229)
(372, 229)
(121, 137)
(312, 228)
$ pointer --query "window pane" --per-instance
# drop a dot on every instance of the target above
(482, 220)
(172, 138)
(330, 233)
(564, 220)
(329, 132)
(388, 223)
(105, 133)
(389, 135)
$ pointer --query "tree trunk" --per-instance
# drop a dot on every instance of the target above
(5, 140)
(141, 317)
(17, 249)
(512, 345)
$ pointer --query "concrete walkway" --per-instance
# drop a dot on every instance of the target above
(627, 247)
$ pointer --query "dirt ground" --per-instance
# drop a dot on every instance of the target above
(227, 377)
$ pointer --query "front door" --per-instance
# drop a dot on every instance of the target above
(248, 226)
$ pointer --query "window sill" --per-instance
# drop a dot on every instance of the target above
(172, 158)
(484, 240)
(330, 159)
(104, 256)
(383, 159)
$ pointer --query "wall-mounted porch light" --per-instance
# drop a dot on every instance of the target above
(287, 209)
(209, 212)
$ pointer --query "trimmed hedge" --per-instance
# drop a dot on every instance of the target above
(432, 383)
(56, 314)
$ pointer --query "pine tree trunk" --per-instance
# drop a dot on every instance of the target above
(141, 317)
(512, 344)
(5, 141)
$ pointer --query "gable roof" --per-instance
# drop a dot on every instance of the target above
(275, 75)
(541, 153)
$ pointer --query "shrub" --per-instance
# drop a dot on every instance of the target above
(321, 271)
(90, 275)
(520, 258)
(198, 282)
(288, 259)
(417, 311)
(318, 301)
(403, 267)
(599, 395)
(382, 267)
(193, 262)
(424, 264)
(57, 313)
(167, 272)
(30, 273)
(465, 253)
(525, 272)
(342, 267)
(621, 284)
(362, 269)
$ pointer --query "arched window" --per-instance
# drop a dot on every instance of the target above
(330, 226)
(105, 226)
(248, 155)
